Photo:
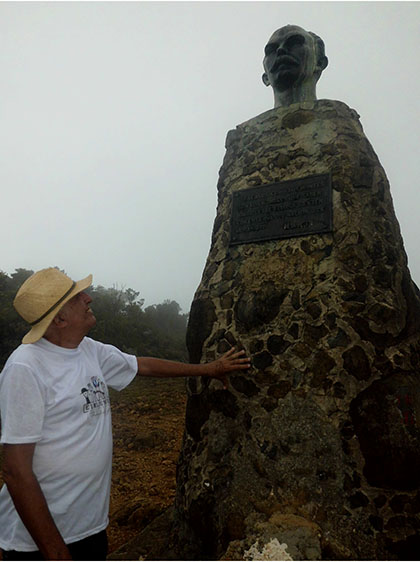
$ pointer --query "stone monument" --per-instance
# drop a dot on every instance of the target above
(318, 445)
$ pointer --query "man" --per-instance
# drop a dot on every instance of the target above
(57, 444)
(293, 63)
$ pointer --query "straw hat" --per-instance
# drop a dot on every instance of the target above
(42, 295)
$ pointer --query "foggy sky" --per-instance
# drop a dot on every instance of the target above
(114, 117)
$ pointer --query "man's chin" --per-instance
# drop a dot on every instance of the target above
(286, 79)
(92, 322)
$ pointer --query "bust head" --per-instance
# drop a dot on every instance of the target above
(293, 62)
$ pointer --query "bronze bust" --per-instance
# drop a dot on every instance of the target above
(293, 62)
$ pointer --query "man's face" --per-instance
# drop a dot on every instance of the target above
(78, 313)
(290, 56)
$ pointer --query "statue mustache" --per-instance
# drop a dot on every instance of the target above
(283, 59)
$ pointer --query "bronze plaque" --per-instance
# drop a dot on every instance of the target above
(282, 210)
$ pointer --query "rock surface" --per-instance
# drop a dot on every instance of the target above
(319, 443)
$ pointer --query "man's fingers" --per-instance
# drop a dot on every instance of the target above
(231, 361)
(232, 354)
(239, 362)
(229, 353)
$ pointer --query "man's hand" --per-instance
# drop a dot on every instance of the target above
(230, 361)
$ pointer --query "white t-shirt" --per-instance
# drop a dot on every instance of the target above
(58, 398)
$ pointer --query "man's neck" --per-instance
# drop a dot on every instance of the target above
(64, 340)
(301, 93)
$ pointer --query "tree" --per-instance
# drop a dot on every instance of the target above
(121, 321)
(12, 326)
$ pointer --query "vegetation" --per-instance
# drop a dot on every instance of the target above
(158, 330)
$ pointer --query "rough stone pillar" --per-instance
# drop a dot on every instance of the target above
(319, 444)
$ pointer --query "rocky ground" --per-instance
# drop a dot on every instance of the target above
(148, 420)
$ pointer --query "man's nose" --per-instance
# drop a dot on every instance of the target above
(86, 298)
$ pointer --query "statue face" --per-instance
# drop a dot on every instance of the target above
(290, 58)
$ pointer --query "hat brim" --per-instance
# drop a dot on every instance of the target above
(39, 330)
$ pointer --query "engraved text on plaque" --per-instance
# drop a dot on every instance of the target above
(282, 210)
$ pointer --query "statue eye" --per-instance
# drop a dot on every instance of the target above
(295, 41)
(270, 48)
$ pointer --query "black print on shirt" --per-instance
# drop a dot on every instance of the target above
(96, 395)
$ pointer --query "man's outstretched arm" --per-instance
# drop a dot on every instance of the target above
(30, 502)
(219, 368)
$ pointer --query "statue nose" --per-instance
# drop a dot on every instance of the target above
(282, 50)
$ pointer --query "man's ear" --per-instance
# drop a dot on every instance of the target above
(323, 62)
(59, 320)
(265, 79)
